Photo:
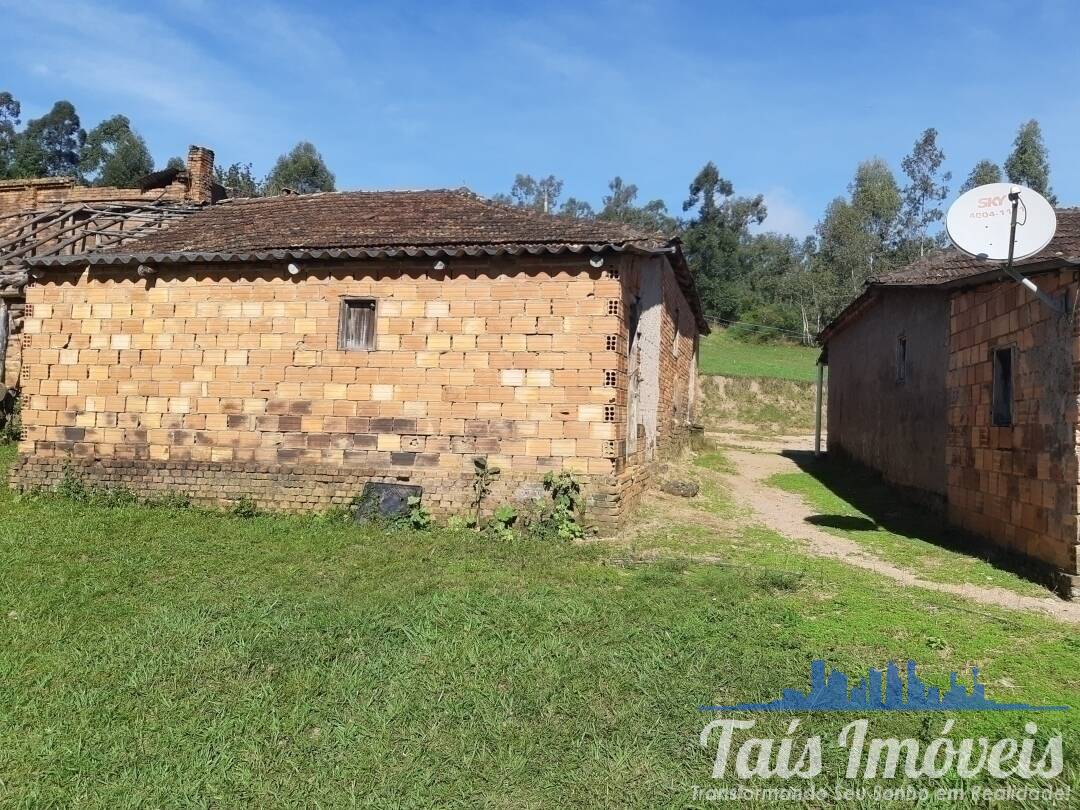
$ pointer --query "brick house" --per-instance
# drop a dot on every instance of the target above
(961, 387)
(290, 349)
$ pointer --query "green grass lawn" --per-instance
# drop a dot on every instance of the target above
(724, 355)
(860, 507)
(166, 657)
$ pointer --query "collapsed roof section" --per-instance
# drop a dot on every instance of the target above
(47, 217)
(68, 229)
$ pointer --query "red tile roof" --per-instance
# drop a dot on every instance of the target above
(952, 265)
(379, 219)
(378, 224)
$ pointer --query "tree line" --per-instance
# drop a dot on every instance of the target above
(754, 279)
(114, 154)
(744, 275)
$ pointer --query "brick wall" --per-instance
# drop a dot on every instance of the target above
(1015, 485)
(44, 192)
(41, 193)
(890, 419)
(678, 348)
(193, 380)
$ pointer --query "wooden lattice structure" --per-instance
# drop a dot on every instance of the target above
(65, 229)
(76, 228)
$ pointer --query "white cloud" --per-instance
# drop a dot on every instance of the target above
(142, 57)
(785, 215)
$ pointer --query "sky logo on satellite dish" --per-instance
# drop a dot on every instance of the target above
(883, 692)
(980, 222)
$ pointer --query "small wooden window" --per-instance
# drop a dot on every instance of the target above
(1002, 415)
(901, 359)
(675, 339)
(356, 325)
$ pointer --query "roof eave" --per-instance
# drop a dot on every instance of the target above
(869, 294)
(997, 272)
(332, 253)
(853, 310)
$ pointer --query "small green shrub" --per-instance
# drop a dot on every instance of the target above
(417, 517)
(503, 519)
(71, 485)
(244, 507)
(483, 477)
(561, 519)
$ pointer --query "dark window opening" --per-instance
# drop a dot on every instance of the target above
(356, 326)
(901, 359)
(1003, 388)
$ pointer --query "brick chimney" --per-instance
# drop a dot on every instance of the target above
(200, 166)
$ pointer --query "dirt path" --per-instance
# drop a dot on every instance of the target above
(786, 513)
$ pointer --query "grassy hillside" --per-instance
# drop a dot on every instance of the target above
(724, 355)
(765, 385)
(747, 403)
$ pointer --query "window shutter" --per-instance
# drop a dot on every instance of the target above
(357, 327)
(1002, 394)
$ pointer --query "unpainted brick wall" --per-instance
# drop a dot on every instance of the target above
(678, 350)
(1015, 485)
(209, 371)
(43, 193)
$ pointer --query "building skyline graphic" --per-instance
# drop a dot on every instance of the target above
(882, 691)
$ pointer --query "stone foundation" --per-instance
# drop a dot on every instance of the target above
(314, 488)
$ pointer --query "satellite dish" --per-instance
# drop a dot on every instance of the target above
(980, 220)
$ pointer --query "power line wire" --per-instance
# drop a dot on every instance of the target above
(754, 326)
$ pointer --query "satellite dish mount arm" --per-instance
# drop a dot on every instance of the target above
(1057, 306)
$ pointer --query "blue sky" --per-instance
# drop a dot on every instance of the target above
(785, 97)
